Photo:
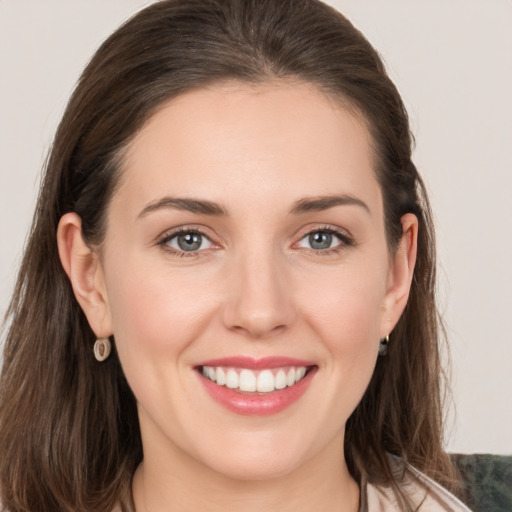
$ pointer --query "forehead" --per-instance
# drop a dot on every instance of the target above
(251, 142)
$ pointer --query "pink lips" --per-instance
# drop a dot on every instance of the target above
(257, 404)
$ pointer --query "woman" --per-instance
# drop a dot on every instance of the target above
(227, 299)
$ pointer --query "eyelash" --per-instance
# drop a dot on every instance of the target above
(164, 240)
(346, 241)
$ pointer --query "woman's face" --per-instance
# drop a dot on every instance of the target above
(246, 241)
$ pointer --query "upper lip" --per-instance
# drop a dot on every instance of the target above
(256, 364)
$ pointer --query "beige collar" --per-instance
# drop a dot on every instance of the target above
(423, 494)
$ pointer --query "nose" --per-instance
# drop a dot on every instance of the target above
(260, 302)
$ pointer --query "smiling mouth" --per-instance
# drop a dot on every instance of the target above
(261, 382)
(260, 387)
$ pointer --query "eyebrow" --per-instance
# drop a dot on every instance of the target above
(186, 204)
(320, 203)
(205, 207)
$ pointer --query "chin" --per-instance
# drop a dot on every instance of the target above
(254, 455)
(257, 468)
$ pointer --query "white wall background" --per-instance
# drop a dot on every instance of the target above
(452, 61)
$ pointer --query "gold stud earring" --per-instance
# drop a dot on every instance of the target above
(102, 349)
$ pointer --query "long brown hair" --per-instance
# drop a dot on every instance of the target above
(69, 433)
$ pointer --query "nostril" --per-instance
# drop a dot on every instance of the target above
(258, 304)
(258, 329)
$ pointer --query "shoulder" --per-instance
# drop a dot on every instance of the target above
(424, 494)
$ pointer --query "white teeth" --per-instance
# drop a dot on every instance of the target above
(280, 380)
(290, 377)
(232, 379)
(247, 381)
(263, 381)
(299, 374)
(221, 377)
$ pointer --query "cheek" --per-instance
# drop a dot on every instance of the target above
(156, 313)
(346, 304)
(350, 329)
(345, 314)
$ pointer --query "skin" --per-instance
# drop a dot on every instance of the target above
(255, 288)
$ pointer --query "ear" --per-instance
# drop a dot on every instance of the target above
(400, 275)
(83, 268)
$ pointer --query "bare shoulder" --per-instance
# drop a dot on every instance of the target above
(424, 494)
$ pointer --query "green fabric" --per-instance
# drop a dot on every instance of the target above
(486, 480)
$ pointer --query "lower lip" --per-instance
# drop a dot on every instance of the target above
(254, 404)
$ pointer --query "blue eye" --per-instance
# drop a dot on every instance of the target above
(323, 239)
(188, 241)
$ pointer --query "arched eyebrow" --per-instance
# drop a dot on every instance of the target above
(205, 207)
(200, 206)
(320, 203)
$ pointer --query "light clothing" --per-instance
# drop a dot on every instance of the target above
(424, 494)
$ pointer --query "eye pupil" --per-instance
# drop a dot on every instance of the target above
(189, 241)
(320, 240)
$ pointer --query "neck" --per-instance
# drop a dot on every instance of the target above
(322, 483)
